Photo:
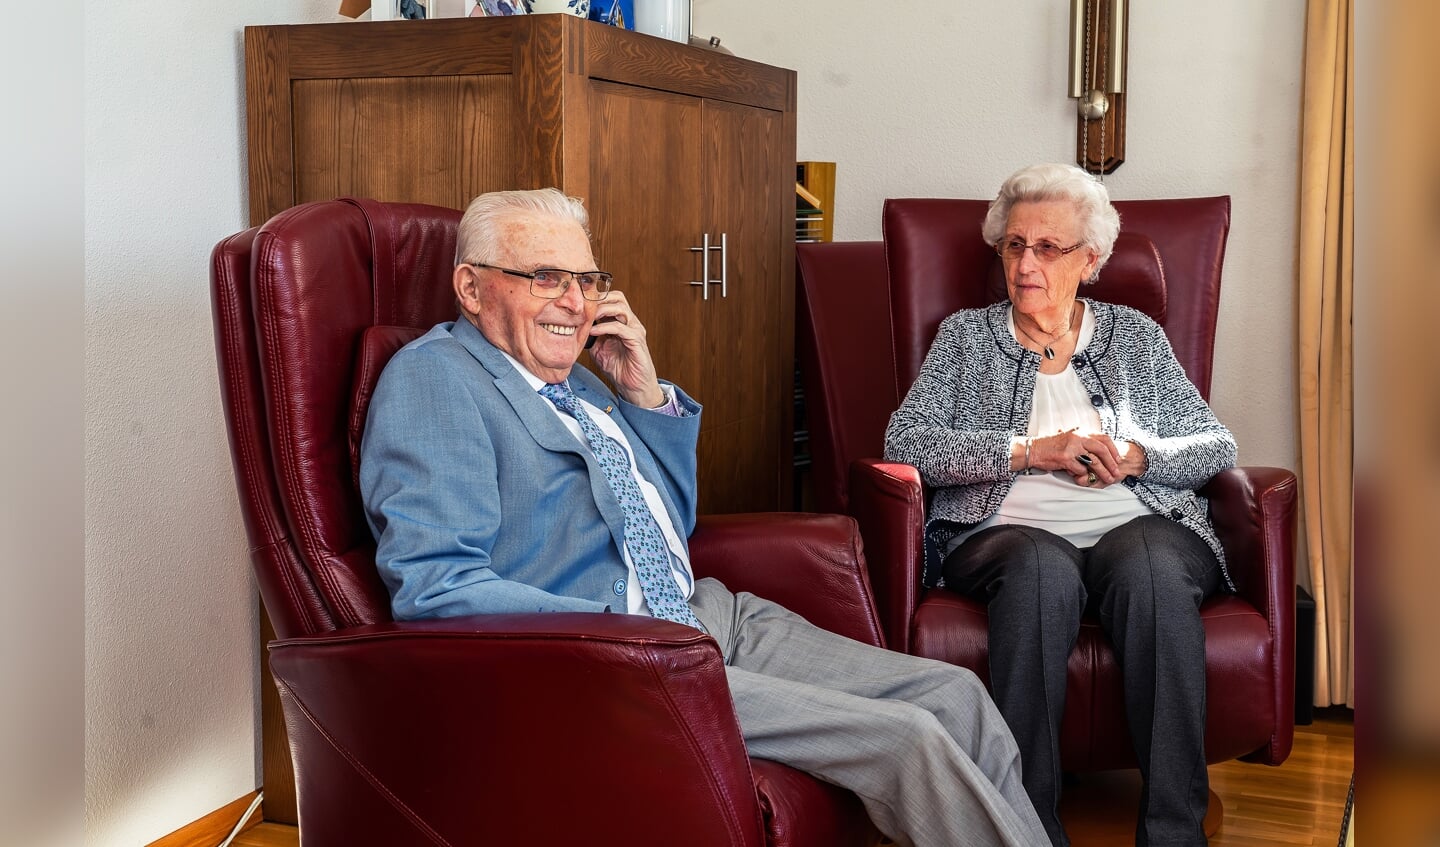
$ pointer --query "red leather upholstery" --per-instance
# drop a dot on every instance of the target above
(850, 391)
(1167, 263)
(535, 729)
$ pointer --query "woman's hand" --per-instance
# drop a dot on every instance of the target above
(1133, 460)
(621, 352)
(1092, 460)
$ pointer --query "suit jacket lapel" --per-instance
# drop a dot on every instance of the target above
(546, 428)
(532, 409)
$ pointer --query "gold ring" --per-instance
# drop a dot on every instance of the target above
(1091, 478)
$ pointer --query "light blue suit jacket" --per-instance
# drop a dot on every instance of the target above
(482, 501)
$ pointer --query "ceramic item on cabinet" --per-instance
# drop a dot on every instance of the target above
(506, 7)
(665, 18)
(578, 8)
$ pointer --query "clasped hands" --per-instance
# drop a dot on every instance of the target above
(1093, 460)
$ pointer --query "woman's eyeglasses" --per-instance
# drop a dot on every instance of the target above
(1045, 251)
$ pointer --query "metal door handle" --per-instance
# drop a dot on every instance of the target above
(724, 262)
(704, 251)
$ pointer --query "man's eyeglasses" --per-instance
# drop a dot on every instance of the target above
(552, 283)
(1045, 251)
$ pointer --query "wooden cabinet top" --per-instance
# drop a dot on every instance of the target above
(547, 44)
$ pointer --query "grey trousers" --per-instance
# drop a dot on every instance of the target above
(1146, 579)
(919, 741)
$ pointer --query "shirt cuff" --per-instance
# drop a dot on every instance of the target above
(671, 406)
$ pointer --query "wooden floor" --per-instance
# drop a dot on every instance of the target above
(1299, 803)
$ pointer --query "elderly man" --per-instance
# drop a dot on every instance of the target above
(499, 477)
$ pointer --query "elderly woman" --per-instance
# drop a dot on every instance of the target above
(1064, 443)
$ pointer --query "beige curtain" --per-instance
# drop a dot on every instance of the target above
(1325, 338)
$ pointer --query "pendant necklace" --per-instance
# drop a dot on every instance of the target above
(1047, 348)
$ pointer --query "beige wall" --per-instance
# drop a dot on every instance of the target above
(938, 98)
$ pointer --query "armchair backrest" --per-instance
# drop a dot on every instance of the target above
(292, 302)
(843, 340)
(1167, 263)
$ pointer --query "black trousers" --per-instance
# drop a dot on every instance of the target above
(1145, 579)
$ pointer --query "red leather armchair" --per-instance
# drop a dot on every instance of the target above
(504, 729)
(888, 298)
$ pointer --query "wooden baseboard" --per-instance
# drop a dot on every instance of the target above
(212, 829)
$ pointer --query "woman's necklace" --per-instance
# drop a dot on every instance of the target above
(1048, 348)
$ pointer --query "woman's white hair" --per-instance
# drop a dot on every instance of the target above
(1099, 222)
(478, 238)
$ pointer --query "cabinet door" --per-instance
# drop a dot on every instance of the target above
(744, 352)
(665, 170)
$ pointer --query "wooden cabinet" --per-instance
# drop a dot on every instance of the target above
(668, 145)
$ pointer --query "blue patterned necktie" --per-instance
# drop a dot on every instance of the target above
(642, 535)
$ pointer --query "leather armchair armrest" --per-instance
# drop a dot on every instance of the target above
(531, 728)
(1253, 509)
(810, 564)
(887, 500)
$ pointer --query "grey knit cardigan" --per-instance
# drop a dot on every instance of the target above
(974, 393)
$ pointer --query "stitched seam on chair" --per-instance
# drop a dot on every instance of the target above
(862, 581)
(1164, 286)
(890, 304)
(287, 467)
(291, 584)
(382, 276)
(369, 777)
(1272, 609)
(274, 529)
(731, 819)
(890, 321)
(230, 317)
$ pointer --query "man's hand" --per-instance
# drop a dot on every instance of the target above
(621, 353)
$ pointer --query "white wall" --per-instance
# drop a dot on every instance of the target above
(171, 658)
(947, 98)
(41, 381)
(943, 101)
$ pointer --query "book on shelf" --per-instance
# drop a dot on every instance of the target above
(814, 199)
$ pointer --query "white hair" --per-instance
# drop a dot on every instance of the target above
(478, 238)
(1099, 222)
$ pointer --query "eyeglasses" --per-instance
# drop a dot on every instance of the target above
(552, 283)
(1045, 251)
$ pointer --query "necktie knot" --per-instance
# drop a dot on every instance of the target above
(560, 394)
